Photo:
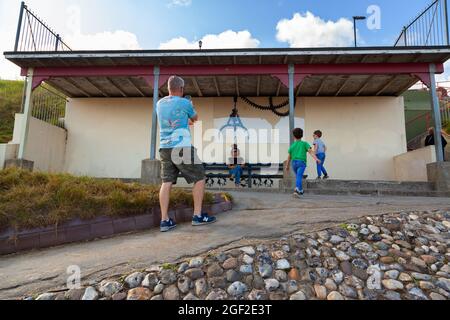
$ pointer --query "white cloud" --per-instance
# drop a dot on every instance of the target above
(7, 36)
(226, 40)
(179, 3)
(308, 30)
(68, 24)
(116, 40)
(445, 77)
(8, 70)
(106, 40)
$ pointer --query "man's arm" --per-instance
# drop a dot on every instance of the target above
(288, 165)
(194, 119)
(191, 113)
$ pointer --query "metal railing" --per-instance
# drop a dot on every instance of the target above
(430, 28)
(34, 35)
(427, 120)
(49, 106)
(445, 111)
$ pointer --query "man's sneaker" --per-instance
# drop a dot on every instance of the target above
(167, 225)
(203, 220)
(298, 193)
(319, 178)
(326, 177)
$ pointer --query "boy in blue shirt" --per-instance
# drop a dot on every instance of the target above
(320, 150)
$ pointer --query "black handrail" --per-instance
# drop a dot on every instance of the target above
(34, 35)
(429, 28)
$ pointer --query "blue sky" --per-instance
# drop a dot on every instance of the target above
(151, 24)
(153, 21)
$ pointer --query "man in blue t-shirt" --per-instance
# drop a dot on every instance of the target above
(177, 154)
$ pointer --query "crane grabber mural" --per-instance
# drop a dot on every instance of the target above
(235, 123)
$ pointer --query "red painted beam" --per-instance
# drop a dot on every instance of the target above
(311, 69)
(118, 71)
(42, 74)
(367, 68)
(235, 70)
(224, 70)
(421, 70)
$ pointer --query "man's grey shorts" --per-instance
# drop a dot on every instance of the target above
(181, 160)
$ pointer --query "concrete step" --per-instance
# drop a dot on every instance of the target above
(369, 185)
(370, 188)
(378, 193)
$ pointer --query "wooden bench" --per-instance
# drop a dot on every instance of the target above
(218, 174)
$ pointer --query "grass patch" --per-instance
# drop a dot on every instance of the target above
(228, 197)
(32, 199)
(446, 127)
(10, 104)
(169, 266)
(343, 226)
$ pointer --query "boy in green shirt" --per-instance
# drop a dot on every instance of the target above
(298, 155)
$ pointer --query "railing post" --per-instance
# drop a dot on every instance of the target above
(446, 31)
(404, 34)
(19, 26)
(28, 107)
(58, 38)
(436, 116)
(291, 72)
(156, 73)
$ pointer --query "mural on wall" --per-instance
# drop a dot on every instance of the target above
(261, 136)
(235, 123)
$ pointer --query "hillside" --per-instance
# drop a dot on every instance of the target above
(10, 104)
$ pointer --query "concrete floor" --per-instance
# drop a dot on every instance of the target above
(255, 216)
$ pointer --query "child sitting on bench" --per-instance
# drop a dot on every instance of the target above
(236, 165)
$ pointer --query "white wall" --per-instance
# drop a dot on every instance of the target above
(7, 152)
(412, 166)
(46, 144)
(363, 135)
(110, 137)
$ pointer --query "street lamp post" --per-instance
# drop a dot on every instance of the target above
(354, 25)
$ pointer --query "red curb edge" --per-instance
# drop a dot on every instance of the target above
(78, 230)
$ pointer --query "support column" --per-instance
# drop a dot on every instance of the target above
(288, 182)
(446, 31)
(436, 115)
(27, 109)
(156, 73)
(291, 72)
(151, 168)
